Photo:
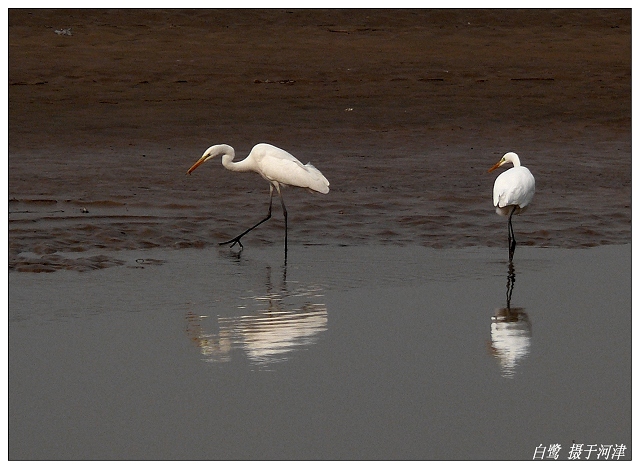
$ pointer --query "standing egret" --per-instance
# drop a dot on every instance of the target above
(277, 166)
(512, 192)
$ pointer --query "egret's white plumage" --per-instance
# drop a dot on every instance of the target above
(277, 166)
(514, 187)
(512, 192)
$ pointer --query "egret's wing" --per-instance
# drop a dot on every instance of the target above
(294, 173)
(514, 187)
(280, 166)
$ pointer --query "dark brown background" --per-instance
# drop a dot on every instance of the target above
(402, 110)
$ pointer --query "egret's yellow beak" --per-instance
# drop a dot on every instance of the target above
(494, 167)
(197, 163)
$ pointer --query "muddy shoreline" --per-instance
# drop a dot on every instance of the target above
(402, 110)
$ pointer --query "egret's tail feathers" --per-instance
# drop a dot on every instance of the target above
(319, 183)
(507, 209)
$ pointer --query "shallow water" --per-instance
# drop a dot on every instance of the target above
(345, 353)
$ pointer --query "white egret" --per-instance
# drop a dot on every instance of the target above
(275, 165)
(512, 192)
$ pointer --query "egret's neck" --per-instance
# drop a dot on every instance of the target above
(227, 162)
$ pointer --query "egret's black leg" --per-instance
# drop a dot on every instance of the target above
(512, 236)
(284, 212)
(236, 240)
(511, 280)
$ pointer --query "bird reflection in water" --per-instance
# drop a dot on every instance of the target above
(280, 323)
(510, 332)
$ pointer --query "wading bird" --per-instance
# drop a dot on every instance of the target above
(275, 165)
(512, 192)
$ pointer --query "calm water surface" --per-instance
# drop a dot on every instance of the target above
(350, 353)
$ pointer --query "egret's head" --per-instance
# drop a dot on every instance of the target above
(211, 152)
(510, 157)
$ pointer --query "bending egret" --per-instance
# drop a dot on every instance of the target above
(512, 192)
(277, 166)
